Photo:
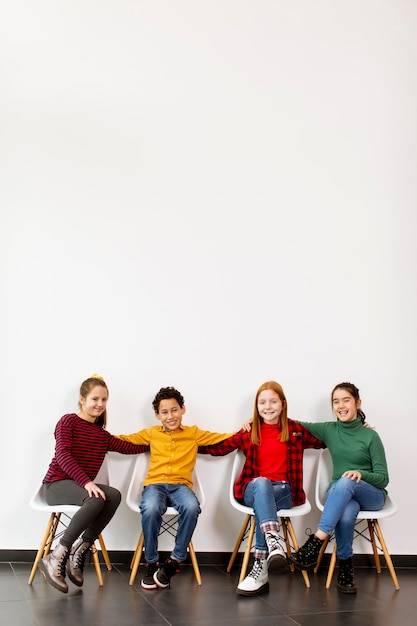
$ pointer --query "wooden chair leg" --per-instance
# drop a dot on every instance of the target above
(195, 563)
(331, 568)
(96, 562)
(104, 552)
(238, 542)
(136, 559)
(289, 530)
(47, 537)
(374, 546)
(322, 551)
(387, 555)
(248, 549)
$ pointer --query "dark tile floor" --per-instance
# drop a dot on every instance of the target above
(288, 602)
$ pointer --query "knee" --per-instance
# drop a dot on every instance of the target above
(345, 484)
(114, 495)
(150, 507)
(260, 484)
(191, 508)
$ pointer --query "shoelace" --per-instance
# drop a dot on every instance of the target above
(80, 559)
(256, 570)
(61, 566)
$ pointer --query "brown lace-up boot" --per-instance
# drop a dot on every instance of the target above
(52, 567)
(76, 560)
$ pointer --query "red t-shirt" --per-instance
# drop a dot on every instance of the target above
(271, 454)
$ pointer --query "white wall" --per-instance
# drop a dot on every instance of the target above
(206, 195)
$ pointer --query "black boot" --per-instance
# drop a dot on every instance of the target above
(75, 563)
(52, 567)
(346, 579)
(306, 557)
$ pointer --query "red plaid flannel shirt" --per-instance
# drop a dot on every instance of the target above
(299, 439)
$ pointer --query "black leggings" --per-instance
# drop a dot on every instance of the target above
(94, 514)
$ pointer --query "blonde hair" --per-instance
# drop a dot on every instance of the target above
(86, 386)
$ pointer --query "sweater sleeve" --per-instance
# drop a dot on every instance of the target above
(125, 447)
(317, 429)
(379, 475)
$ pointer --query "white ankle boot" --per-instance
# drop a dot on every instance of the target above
(277, 559)
(256, 582)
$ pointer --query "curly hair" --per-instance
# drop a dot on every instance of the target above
(354, 391)
(167, 393)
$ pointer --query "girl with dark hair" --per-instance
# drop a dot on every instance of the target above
(360, 476)
(80, 448)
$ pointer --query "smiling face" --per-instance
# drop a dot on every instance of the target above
(170, 413)
(269, 406)
(344, 405)
(94, 403)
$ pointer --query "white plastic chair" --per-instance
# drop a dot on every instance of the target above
(170, 517)
(61, 514)
(248, 528)
(366, 521)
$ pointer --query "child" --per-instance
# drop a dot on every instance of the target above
(360, 476)
(169, 482)
(81, 445)
(271, 479)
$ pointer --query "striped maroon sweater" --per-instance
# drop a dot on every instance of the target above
(80, 449)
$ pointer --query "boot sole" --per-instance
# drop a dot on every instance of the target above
(301, 566)
(263, 589)
(73, 580)
(48, 579)
(148, 585)
(343, 589)
(277, 564)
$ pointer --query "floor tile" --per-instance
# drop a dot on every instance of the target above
(214, 603)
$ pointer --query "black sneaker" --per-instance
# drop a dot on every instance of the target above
(147, 581)
(164, 574)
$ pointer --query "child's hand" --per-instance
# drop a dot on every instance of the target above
(94, 490)
(247, 426)
(353, 475)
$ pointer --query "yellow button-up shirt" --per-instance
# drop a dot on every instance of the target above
(173, 453)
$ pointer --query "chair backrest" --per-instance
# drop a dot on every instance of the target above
(134, 492)
(323, 477)
(238, 463)
(103, 475)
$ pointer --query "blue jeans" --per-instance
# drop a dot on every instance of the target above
(155, 500)
(344, 499)
(266, 497)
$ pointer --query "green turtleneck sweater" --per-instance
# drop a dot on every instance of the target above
(353, 446)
